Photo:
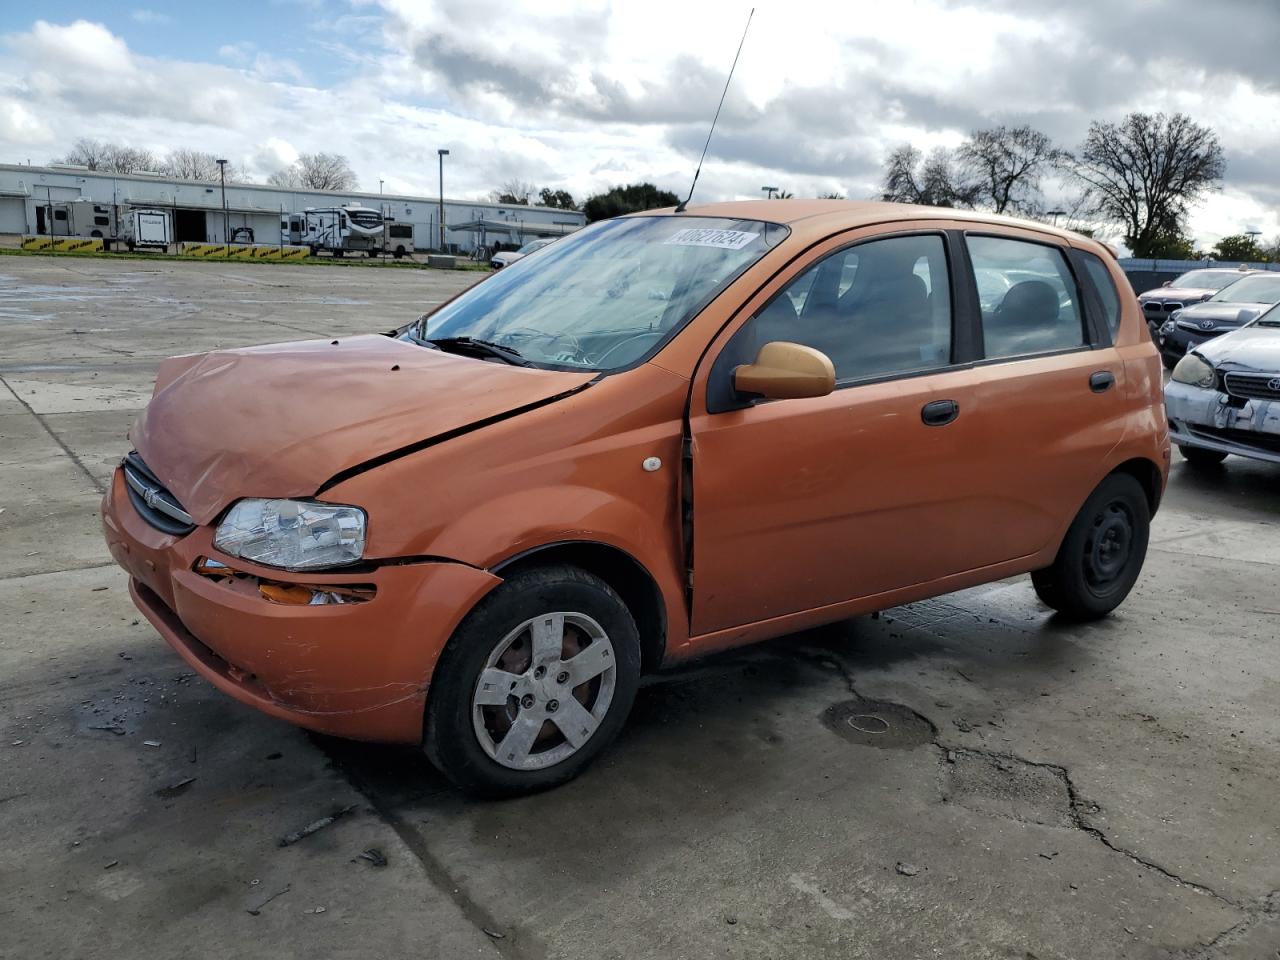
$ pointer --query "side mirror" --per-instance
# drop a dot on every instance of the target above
(786, 371)
(1167, 283)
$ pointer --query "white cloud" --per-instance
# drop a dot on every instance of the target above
(586, 95)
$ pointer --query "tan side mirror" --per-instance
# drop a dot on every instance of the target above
(786, 371)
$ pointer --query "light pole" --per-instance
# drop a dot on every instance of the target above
(222, 175)
(1055, 214)
(770, 191)
(442, 154)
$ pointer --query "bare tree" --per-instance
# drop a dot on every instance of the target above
(1145, 171)
(108, 157)
(187, 164)
(316, 171)
(935, 181)
(515, 191)
(1005, 165)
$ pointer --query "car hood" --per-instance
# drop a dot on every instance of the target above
(280, 420)
(1252, 348)
(1177, 293)
(1222, 311)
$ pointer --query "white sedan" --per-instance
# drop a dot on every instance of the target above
(508, 257)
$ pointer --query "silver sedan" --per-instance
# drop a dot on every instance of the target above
(1224, 396)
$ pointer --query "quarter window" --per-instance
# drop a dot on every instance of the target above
(1029, 299)
(1106, 287)
(875, 309)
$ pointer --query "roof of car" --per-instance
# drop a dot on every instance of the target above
(852, 213)
(813, 218)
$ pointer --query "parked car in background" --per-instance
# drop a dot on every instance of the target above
(669, 434)
(1224, 396)
(1194, 286)
(1229, 309)
(505, 258)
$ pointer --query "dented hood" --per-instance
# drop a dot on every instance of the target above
(1255, 347)
(280, 420)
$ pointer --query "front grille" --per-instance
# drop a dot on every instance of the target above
(154, 503)
(1245, 438)
(1192, 326)
(1253, 386)
(1161, 306)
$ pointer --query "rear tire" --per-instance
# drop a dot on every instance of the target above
(1102, 553)
(512, 708)
(1200, 458)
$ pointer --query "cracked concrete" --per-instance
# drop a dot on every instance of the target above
(1059, 791)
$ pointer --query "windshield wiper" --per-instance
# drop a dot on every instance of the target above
(483, 347)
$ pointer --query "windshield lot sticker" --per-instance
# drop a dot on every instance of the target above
(725, 239)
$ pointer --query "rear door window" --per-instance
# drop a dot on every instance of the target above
(1029, 299)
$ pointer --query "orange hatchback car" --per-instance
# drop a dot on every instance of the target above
(664, 435)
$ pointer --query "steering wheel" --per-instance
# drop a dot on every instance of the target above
(654, 334)
(575, 346)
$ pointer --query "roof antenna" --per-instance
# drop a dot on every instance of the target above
(685, 202)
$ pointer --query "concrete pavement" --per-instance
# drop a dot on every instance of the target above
(964, 777)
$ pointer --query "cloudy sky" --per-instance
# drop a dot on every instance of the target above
(586, 95)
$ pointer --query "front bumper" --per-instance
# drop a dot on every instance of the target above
(357, 670)
(1215, 421)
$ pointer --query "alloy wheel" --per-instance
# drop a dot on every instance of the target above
(544, 690)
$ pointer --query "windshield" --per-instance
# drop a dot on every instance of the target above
(606, 296)
(1269, 319)
(1253, 289)
(533, 245)
(1206, 279)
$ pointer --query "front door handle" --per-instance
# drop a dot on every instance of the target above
(938, 413)
(1101, 381)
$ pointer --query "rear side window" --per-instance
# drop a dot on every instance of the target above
(1029, 299)
(1106, 287)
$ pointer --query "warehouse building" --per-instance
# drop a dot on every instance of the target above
(46, 200)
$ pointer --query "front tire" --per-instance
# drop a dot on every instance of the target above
(1102, 553)
(1201, 458)
(534, 684)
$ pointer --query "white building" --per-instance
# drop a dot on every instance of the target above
(31, 196)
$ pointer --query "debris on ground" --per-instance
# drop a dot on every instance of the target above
(257, 908)
(315, 826)
(731, 921)
(151, 743)
(374, 856)
(316, 910)
(175, 789)
(110, 728)
(907, 869)
(108, 866)
(493, 933)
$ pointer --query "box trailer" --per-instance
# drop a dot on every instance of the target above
(148, 228)
(399, 239)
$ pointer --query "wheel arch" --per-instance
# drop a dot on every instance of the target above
(622, 572)
(1148, 476)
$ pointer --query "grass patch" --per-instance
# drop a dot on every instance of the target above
(367, 262)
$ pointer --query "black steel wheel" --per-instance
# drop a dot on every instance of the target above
(1102, 554)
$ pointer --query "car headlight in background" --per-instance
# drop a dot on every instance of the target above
(293, 534)
(1195, 371)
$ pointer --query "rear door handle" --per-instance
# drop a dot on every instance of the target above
(938, 413)
(1101, 381)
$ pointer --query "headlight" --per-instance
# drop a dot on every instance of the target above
(293, 534)
(1195, 371)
